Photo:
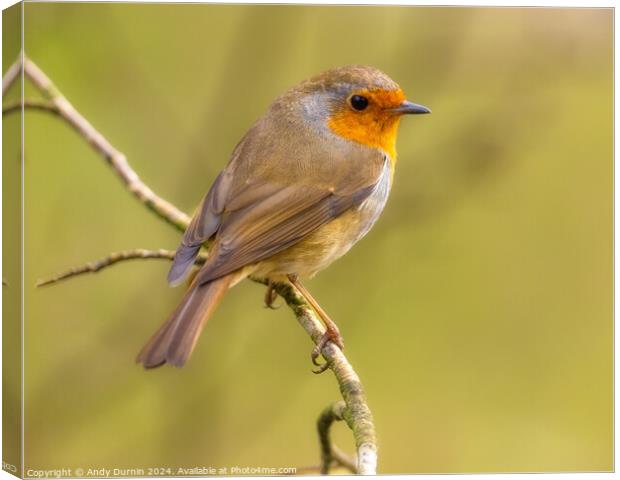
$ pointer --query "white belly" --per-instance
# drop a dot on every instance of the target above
(372, 207)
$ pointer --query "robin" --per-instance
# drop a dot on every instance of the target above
(305, 183)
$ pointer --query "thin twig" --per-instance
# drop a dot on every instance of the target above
(109, 260)
(11, 75)
(356, 412)
(116, 159)
(31, 104)
(340, 459)
(344, 460)
(329, 452)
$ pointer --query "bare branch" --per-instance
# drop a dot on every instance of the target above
(330, 453)
(11, 75)
(116, 159)
(42, 105)
(111, 259)
(356, 414)
(339, 460)
(331, 414)
(107, 261)
(344, 460)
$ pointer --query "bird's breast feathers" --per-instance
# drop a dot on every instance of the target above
(375, 202)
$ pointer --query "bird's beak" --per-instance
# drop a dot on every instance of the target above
(410, 108)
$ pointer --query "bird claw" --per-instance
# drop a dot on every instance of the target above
(270, 297)
(332, 334)
(321, 369)
(328, 336)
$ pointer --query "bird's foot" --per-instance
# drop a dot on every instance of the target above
(270, 297)
(332, 334)
(329, 336)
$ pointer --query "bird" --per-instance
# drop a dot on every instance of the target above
(303, 185)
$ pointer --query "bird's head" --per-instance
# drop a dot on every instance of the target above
(358, 103)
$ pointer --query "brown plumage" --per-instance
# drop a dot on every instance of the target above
(301, 187)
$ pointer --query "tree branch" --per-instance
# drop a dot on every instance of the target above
(356, 414)
(330, 453)
(109, 260)
(11, 74)
(339, 459)
(30, 104)
(354, 410)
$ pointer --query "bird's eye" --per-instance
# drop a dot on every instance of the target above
(358, 102)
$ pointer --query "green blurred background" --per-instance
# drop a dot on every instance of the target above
(478, 312)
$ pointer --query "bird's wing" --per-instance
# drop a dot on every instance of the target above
(275, 222)
(204, 224)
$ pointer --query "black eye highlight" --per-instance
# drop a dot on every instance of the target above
(358, 102)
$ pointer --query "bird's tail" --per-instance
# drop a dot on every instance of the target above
(174, 341)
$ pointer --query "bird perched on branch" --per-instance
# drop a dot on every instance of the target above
(305, 183)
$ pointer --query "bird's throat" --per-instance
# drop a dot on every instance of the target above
(376, 131)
